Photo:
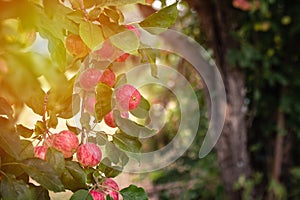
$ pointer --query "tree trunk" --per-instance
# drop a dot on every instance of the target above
(218, 20)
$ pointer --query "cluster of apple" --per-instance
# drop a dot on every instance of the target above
(88, 155)
(127, 96)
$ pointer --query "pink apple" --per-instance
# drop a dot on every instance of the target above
(108, 77)
(90, 104)
(89, 155)
(65, 141)
(40, 152)
(109, 120)
(106, 51)
(127, 98)
(98, 195)
(112, 188)
(89, 79)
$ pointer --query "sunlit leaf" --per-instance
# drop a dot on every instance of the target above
(127, 41)
(91, 34)
(163, 18)
(103, 100)
(5, 108)
(127, 142)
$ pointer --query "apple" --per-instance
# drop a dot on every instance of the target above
(40, 152)
(127, 98)
(98, 195)
(109, 120)
(89, 154)
(65, 141)
(123, 57)
(112, 188)
(108, 77)
(89, 79)
(106, 51)
(76, 46)
(90, 104)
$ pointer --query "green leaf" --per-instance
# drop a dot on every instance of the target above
(77, 172)
(127, 142)
(40, 128)
(52, 121)
(101, 138)
(163, 18)
(24, 131)
(5, 108)
(120, 80)
(127, 41)
(43, 173)
(73, 128)
(56, 159)
(142, 111)
(134, 193)
(9, 138)
(58, 52)
(91, 34)
(103, 100)
(149, 55)
(108, 197)
(27, 150)
(115, 154)
(74, 177)
(81, 195)
(105, 167)
(39, 193)
(132, 128)
(13, 189)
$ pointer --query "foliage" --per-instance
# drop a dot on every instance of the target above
(48, 84)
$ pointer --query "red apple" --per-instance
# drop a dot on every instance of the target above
(89, 79)
(127, 98)
(40, 152)
(89, 155)
(108, 77)
(109, 120)
(98, 195)
(112, 188)
(123, 57)
(65, 141)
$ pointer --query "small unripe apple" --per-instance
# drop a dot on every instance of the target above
(98, 195)
(112, 188)
(89, 79)
(128, 98)
(65, 141)
(108, 77)
(90, 104)
(89, 155)
(109, 120)
(40, 152)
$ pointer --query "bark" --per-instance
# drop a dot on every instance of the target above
(217, 19)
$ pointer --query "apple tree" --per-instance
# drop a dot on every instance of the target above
(75, 78)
